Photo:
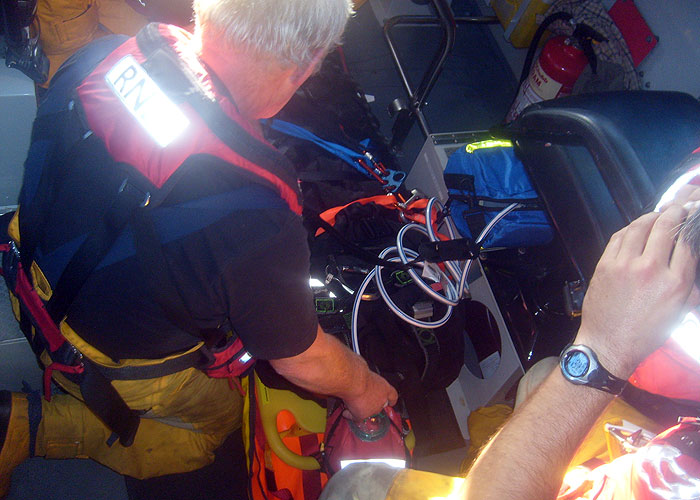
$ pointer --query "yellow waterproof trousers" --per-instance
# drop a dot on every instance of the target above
(185, 415)
(67, 25)
(188, 415)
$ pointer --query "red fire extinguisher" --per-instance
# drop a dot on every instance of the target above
(552, 75)
(560, 63)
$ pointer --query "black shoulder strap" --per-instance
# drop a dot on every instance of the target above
(158, 276)
(59, 111)
(157, 273)
(125, 199)
(62, 139)
(122, 197)
(34, 215)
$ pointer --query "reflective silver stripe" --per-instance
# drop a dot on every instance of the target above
(158, 115)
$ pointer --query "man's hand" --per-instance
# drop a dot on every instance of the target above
(328, 367)
(638, 291)
(377, 395)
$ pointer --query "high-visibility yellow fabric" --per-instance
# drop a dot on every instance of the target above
(117, 17)
(410, 484)
(15, 449)
(483, 423)
(67, 25)
(492, 143)
(13, 228)
(595, 443)
(187, 416)
(103, 359)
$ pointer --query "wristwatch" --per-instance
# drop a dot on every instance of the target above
(580, 366)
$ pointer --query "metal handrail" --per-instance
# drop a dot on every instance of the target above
(448, 22)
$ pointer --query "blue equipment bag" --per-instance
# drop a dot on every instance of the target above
(482, 179)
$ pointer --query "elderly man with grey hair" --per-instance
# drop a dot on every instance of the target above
(209, 254)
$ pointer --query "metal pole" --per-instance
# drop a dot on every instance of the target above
(445, 19)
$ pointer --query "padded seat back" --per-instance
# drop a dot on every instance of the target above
(598, 161)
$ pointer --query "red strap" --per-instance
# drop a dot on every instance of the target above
(235, 384)
(35, 306)
(48, 372)
(283, 494)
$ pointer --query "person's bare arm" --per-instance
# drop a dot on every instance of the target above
(328, 367)
(639, 290)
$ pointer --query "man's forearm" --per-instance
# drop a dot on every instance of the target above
(528, 458)
(641, 288)
(327, 367)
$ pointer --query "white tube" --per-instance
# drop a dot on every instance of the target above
(452, 296)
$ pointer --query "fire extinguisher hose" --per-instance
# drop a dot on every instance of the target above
(557, 16)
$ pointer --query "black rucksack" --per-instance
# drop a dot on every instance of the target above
(332, 106)
(414, 360)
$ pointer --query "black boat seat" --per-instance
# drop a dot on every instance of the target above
(598, 161)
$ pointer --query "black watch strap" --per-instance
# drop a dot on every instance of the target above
(605, 381)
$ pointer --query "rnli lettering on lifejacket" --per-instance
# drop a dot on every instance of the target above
(153, 109)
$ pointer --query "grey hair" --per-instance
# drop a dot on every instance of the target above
(292, 31)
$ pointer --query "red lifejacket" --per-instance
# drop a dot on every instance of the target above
(109, 116)
(670, 371)
(666, 468)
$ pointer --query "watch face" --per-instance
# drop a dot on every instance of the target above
(577, 363)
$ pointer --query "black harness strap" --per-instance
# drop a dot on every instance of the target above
(97, 391)
(35, 215)
(149, 253)
(104, 401)
(476, 222)
(665, 411)
(156, 370)
(72, 129)
(126, 199)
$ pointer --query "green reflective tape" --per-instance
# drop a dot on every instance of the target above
(426, 336)
(492, 143)
(402, 277)
(325, 305)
